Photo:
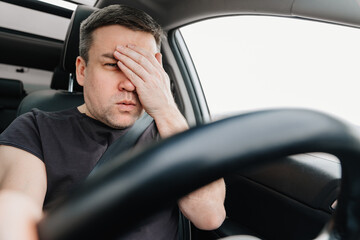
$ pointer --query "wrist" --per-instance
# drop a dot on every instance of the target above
(170, 122)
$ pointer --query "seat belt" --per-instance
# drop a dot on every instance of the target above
(126, 141)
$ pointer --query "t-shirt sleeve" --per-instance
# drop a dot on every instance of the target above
(23, 133)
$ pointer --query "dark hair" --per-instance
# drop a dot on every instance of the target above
(126, 16)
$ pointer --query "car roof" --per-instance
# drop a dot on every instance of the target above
(172, 14)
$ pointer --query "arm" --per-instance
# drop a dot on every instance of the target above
(19, 215)
(205, 206)
(22, 192)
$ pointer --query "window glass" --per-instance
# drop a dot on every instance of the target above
(32, 21)
(86, 2)
(33, 79)
(60, 3)
(248, 63)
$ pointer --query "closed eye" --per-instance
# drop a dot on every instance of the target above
(111, 64)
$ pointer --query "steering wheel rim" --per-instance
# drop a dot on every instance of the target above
(133, 185)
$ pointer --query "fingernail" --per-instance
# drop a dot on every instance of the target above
(119, 47)
(130, 45)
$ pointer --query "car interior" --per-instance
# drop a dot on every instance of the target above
(278, 185)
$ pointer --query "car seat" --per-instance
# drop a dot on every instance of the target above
(11, 93)
(65, 92)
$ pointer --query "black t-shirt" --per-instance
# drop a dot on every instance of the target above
(70, 143)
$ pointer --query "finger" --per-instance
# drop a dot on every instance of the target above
(133, 77)
(136, 57)
(156, 61)
(132, 65)
(140, 53)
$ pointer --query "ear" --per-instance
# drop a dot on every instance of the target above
(158, 57)
(80, 70)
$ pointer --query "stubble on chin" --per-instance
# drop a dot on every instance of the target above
(118, 124)
(119, 120)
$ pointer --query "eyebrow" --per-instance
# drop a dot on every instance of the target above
(109, 55)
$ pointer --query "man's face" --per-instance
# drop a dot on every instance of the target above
(109, 95)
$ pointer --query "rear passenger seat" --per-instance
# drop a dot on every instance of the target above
(11, 93)
(55, 99)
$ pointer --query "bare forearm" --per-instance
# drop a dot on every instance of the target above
(170, 123)
(19, 215)
(205, 206)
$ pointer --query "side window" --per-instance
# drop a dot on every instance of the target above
(248, 63)
(33, 79)
(32, 21)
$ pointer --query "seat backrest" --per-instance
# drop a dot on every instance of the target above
(50, 101)
(11, 93)
(61, 96)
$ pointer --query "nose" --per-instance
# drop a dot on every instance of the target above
(126, 85)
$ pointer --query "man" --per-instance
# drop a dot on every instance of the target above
(44, 154)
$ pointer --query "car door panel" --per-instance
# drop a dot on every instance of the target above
(290, 199)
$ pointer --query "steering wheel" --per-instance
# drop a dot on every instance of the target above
(135, 186)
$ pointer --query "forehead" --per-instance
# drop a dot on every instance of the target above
(106, 39)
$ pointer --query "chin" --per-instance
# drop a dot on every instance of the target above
(123, 122)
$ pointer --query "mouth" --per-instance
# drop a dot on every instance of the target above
(126, 105)
(126, 102)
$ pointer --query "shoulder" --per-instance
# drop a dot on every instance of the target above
(27, 130)
(35, 114)
(22, 122)
(23, 133)
(63, 114)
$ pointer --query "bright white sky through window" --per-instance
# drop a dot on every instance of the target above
(247, 63)
(69, 5)
(33, 21)
(61, 3)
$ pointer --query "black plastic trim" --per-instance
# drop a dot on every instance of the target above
(198, 101)
(36, 52)
(31, 35)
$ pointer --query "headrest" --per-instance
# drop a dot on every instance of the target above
(60, 80)
(71, 45)
(11, 88)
